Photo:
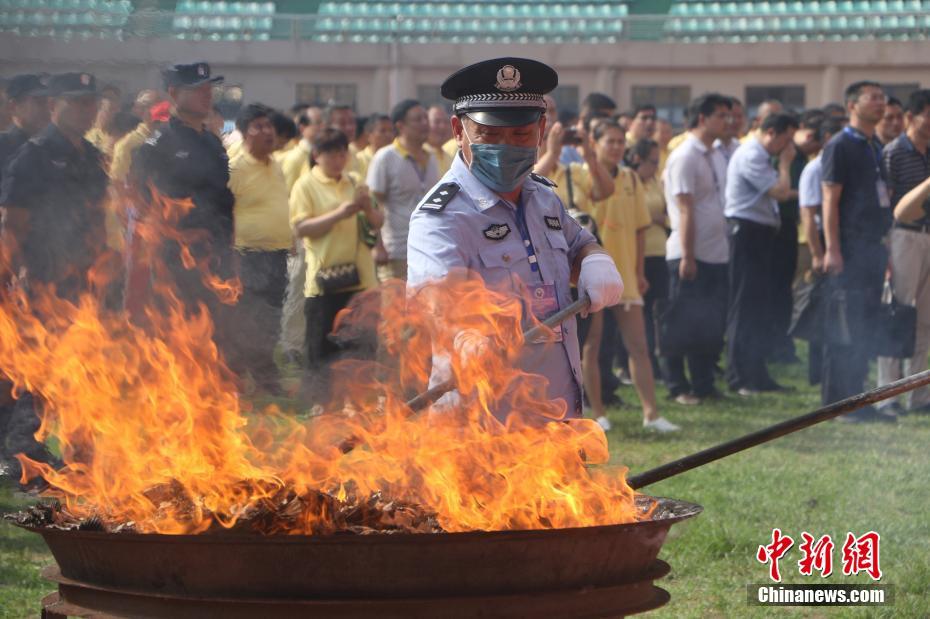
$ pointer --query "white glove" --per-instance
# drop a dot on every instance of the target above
(600, 280)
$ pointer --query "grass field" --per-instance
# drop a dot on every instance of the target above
(828, 479)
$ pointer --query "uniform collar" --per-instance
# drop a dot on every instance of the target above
(483, 197)
(178, 125)
(317, 173)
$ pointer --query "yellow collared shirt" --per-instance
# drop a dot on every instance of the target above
(581, 184)
(655, 203)
(451, 148)
(364, 158)
(296, 163)
(316, 194)
(443, 159)
(261, 209)
(124, 149)
(677, 141)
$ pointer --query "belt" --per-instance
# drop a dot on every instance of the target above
(925, 228)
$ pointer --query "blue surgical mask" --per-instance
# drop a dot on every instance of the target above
(501, 167)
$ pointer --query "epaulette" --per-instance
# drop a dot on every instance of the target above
(539, 178)
(438, 200)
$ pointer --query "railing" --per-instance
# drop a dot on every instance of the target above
(409, 29)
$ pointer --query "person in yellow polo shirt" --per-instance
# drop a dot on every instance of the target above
(263, 240)
(324, 213)
(297, 160)
(622, 220)
(380, 132)
(440, 130)
(123, 150)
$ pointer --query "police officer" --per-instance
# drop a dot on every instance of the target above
(184, 160)
(489, 215)
(52, 196)
(28, 106)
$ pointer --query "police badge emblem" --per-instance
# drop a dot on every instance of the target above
(508, 78)
(496, 232)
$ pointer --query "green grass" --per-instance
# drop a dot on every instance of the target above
(828, 479)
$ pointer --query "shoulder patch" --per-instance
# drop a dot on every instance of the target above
(542, 180)
(438, 200)
(553, 223)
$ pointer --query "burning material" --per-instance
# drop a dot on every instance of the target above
(155, 438)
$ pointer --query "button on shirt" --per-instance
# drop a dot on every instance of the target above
(395, 174)
(454, 238)
(694, 169)
(906, 168)
(261, 212)
(749, 178)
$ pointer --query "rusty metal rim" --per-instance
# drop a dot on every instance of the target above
(690, 510)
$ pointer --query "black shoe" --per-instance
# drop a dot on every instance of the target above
(868, 415)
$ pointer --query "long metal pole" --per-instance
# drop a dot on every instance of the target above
(779, 429)
(428, 397)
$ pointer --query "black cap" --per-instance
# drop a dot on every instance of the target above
(72, 85)
(26, 85)
(502, 92)
(189, 75)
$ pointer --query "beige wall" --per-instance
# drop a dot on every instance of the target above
(384, 74)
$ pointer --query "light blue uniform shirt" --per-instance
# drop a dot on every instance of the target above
(455, 238)
(750, 176)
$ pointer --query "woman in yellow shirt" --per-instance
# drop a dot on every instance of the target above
(622, 220)
(325, 205)
(644, 158)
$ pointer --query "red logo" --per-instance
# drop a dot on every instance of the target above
(861, 555)
(817, 555)
(773, 552)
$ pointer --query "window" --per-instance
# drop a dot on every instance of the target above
(566, 98)
(670, 101)
(792, 97)
(327, 94)
(901, 92)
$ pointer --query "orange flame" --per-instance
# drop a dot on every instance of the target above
(152, 431)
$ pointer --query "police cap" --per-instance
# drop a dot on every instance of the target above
(188, 75)
(26, 85)
(502, 92)
(72, 85)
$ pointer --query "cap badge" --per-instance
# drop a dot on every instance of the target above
(508, 78)
(85, 79)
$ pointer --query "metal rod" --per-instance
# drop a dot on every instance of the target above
(779, 429)
(437, 391)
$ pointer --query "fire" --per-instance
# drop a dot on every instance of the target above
(153, 432)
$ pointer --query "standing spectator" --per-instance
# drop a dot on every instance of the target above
(399, 176)
(856, 217)
(27, 103)
(285, 134)
(907, 166)
(263, 238)
(766, 109)
(440, 132)
(730, 141)
(342, 117)
(324, 212)
(892, 123)
(643, 126)
(100, 134)
(297, 160)
(595, 105)
(624, 119)
(810, 199)
(696, 252)
(644, 159)
(126, 147)
(664, 135)
(380, 132)
(753, 188)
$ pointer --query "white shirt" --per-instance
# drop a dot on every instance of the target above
(810, 193)
(694, 169)
(397, 176)
(750, 176)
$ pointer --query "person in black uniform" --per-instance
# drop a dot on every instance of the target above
(183, 160)
(52, 195)
(28, 105)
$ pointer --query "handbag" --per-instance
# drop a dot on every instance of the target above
(338, 277)
(896, 327)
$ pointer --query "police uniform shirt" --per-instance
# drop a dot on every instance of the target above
(185, 163)
(477, 230)
(10, 141)
(63, 188)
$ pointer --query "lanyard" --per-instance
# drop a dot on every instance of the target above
(524, 231)
(876, 153)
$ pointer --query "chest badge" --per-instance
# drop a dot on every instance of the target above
(496, 232)
(553, 223)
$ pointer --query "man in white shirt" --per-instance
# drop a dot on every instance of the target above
(696, 250)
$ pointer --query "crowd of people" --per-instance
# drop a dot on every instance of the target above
(311, 206)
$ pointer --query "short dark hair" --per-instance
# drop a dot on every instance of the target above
(834, 109)
(645, 107)
(600, 128)
(330, 140)
(639, 151)
(705, 105)
(781, 122)
(251, 112)
(597, 101)
(299, 108)
(854, 90)
(918, 101)
(590, 116)
(810, 118)
(830, 126)
(399, 111)
(894, 101)
(734, 101)
(374, 119)
(284, 126)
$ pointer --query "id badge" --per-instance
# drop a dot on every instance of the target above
(545, 304)
(884, 200)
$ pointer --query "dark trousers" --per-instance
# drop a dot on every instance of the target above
(709, 288)
(657, 276)
(748, 322)
(846, 364)
(784, 267)
(322, 351)
(258, 314)
(610, 353)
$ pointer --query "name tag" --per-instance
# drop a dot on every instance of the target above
(884, 200)
(545, 303)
